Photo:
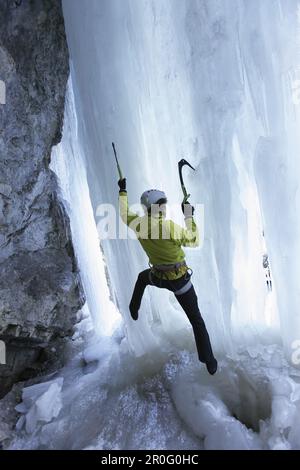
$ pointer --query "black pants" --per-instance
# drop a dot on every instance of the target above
(188, 302)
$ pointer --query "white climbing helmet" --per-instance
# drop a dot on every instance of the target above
(153, 196)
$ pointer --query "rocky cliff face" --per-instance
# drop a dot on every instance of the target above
(40, 291)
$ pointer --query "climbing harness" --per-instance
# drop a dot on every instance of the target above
(167, 268)
(184, 289)
(160, 269)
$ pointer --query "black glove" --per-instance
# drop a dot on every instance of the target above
(122, 184)
(187, 209)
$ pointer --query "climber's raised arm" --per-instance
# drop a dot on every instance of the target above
(125, 213)
(188, 236)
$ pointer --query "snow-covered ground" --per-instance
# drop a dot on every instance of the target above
(166, 400)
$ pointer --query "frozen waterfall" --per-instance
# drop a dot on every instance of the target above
(218, 83)
(214, 82)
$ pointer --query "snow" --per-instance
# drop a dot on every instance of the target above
(115, 401)
(40, 404)
(212, 81)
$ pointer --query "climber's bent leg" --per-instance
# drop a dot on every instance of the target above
(142, 282)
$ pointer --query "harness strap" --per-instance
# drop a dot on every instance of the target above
(184, 289)
(164, 268)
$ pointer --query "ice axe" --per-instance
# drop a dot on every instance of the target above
(181, 164)
(117, 162)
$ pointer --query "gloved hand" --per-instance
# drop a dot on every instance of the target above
(122, 184)
(187, 209)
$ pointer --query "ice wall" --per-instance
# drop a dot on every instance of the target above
(213, 81)
(68, 162)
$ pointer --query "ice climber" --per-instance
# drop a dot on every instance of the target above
(162, 240)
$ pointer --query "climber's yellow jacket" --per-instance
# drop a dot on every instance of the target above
(160, 238)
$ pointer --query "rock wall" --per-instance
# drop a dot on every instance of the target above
(40, 290)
